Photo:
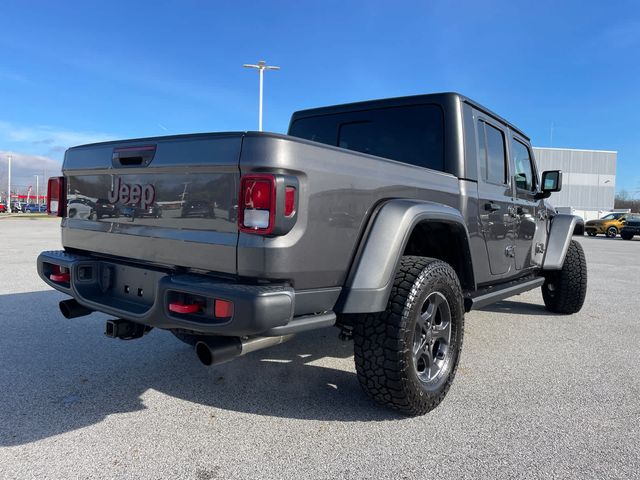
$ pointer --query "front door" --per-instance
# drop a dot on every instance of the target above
(495, 199)
(530, 233)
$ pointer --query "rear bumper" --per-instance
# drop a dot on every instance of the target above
(143, 295)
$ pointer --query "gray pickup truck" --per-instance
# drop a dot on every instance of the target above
(389, 219)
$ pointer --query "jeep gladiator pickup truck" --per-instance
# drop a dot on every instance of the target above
(389, 219)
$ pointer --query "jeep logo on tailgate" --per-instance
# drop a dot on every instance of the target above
(125, 193)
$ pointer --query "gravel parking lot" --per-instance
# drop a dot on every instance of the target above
(536, 395)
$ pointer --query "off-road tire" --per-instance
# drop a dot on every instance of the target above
(626, 236)
(384, 341)
(612, 232)
(564, 290)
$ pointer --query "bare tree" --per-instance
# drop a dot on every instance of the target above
(626, 200)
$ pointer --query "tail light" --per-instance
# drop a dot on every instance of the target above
(257, 204)
(56, 196)
(267, 204)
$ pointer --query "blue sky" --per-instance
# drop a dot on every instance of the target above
(77, 71)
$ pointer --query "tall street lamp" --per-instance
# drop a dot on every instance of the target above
(261, 66)
(38, 191)
(9, 185)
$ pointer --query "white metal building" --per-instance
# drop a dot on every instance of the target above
(588, 179)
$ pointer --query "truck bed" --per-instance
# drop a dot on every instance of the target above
(339, 190)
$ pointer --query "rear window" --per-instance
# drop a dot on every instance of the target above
(493, 158)
(412, 134)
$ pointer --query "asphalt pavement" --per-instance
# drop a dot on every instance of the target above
(536, 395)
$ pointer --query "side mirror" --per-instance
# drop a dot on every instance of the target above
(551, 182)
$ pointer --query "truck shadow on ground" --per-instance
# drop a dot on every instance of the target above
(59, 375)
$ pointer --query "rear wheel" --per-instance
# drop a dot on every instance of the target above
(591, 233)
(564, 290)
(626, 236)
(406, 357)
(612, 232)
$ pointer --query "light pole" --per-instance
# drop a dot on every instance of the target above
(261, 66)
(9, 186)
(38, 191)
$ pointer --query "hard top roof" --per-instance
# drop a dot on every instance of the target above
(439, 98)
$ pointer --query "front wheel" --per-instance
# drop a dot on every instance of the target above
(564, 290)
(612, 232)
(406, 356)
(626, 236)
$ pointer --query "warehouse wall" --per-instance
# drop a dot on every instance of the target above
(589, 177)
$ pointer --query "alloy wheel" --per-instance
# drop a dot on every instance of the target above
(432, 338)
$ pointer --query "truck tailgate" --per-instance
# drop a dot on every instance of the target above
(167, 200)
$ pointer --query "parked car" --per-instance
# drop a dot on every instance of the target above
(3, 208)
(198, 208)
(17, 207)
(609, 225)
(407, 182)
(133, 210)
(631, 227)
(33, 208)
(104, 208)
(81, 208)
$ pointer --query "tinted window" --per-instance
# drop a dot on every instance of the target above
(318, 129)
(492, 154)
(412, 134)
(524, 168)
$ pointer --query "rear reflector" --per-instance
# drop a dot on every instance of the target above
(60, 277)
(56, 196)
(289, 201)
(179, 307)
(59, 274)
(223, 309)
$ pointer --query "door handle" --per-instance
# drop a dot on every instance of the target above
(492, 207)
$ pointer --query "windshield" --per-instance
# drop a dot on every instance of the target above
(612, 216)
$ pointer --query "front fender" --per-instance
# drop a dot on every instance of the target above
(562, 228)
(371, 278)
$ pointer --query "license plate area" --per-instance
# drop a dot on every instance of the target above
(118, 286)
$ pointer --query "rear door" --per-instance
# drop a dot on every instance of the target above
(495, 201)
